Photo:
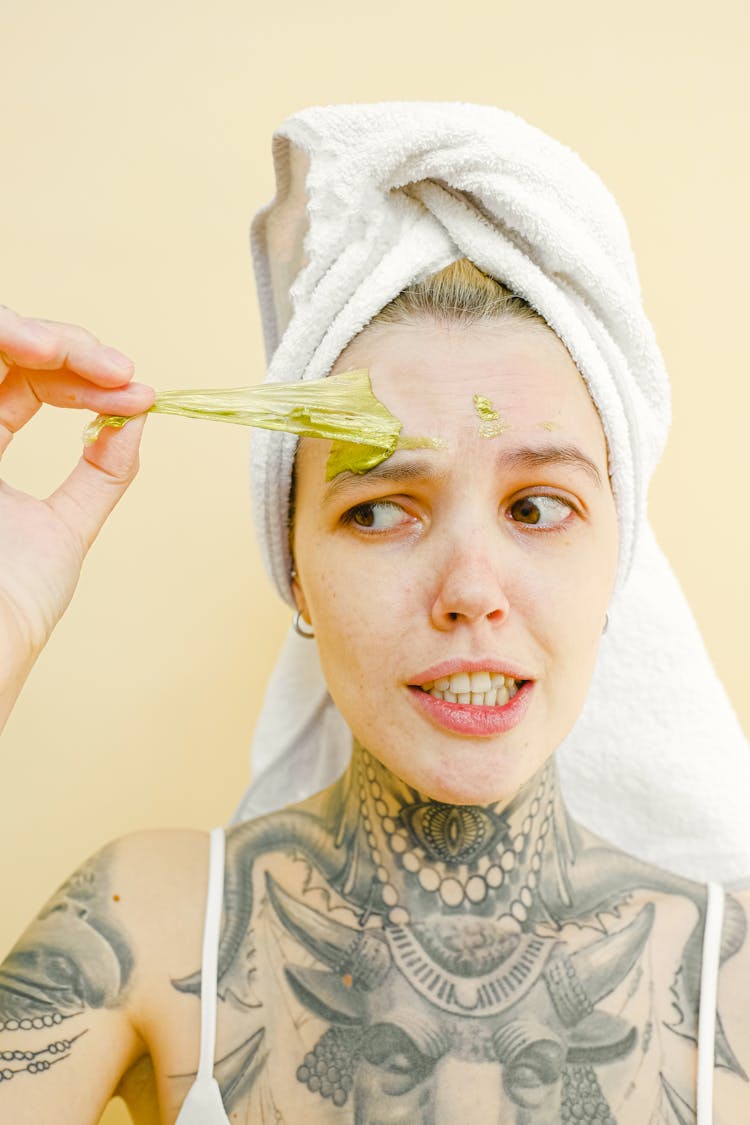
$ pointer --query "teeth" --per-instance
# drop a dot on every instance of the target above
(474, 682)
(481, 689)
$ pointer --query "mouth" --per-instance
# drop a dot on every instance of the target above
(472, 702)
(476, 689)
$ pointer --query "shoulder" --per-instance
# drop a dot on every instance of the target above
(142, 872)
(134, 876)
(128, 913)
(95, 965)
(154, 884)
(170, 859)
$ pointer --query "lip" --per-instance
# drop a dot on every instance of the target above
(452, 667)
(468, 719)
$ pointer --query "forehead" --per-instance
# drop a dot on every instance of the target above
(428, 375)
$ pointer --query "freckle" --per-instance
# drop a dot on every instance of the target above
(115, 898)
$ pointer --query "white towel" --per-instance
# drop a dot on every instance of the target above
(372, 197)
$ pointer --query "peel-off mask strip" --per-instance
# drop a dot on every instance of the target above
(342, 408)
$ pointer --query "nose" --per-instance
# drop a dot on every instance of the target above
(467, 1091)
(469, 586)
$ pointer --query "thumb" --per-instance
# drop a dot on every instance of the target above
(85, 498)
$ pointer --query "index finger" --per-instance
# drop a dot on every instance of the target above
(44, 345)
(24, 392)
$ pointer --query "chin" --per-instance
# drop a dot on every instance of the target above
(474, 774)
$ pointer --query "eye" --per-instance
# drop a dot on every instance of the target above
(540, 511)
(375, 515)
(527, 1076)
(530, 1080)
(401, 1064)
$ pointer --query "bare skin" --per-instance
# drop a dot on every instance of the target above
(43, 542)
(432, 939)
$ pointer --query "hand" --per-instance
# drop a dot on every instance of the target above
(43, 542)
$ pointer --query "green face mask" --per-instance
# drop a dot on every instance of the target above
(490, 422)
(341, 408)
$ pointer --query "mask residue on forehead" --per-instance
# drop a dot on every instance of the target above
(346, 456)
(491, 424)
(342, 408)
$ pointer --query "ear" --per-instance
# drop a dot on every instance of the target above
(299, 596)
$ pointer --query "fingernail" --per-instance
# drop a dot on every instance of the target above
(116, 359)
(134, 390)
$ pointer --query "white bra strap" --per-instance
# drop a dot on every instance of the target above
(707, 1006)
(211, 931)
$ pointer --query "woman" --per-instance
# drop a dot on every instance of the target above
(431, 937)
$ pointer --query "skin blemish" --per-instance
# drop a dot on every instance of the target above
(491, 424)
(549, 426)
(115, 898)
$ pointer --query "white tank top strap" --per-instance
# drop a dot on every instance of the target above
(707, 1005)
(203, 1104)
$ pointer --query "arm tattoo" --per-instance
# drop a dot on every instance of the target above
(35, 1062)
(73, 958)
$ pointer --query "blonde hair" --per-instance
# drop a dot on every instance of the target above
(459, 293)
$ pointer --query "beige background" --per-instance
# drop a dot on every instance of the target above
(135, 146)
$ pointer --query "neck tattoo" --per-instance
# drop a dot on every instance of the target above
(463, 854)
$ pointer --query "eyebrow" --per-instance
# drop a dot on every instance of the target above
(406, 467)
(398, 467)
(532, 457)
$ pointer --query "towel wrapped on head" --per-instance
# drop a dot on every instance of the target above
(371, 198)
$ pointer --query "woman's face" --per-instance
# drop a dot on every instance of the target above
(488, 561)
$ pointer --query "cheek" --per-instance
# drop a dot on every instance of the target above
(362, 614)
(566, 596)
(346, 606)
(364, 607)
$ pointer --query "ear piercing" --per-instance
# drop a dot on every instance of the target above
(301, 628)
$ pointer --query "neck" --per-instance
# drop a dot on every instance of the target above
(427, 856)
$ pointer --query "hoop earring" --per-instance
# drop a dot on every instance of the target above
(301, 628)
